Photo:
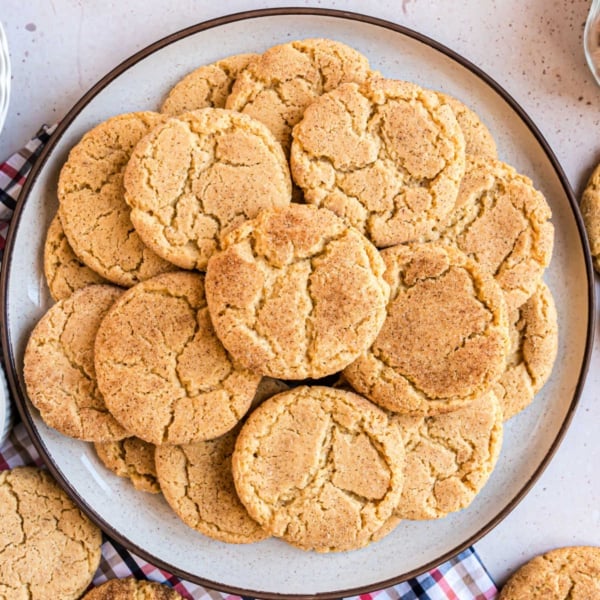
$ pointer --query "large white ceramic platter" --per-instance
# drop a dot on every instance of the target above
(271, 568)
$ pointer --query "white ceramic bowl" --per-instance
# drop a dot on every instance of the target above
(4, 77)
(5, 408)
(272, 568)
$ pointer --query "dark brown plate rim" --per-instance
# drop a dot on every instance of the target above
(9, 358)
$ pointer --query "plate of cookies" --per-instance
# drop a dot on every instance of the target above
(297, 303)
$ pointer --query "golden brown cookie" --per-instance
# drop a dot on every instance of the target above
(445, 339)
(387, 155)
(503, 222)
(163, 372)
(132, 589)
(206, 86)
(571, 573)
(49, 548)
(478, 139)
(534, 344)
(64, 272)
(196, 481)
(131, 458)
(296, 293)
(320, 467)
(277, 87)
(449, 458)
(266, 388)
(93, 211)
(199, 175)
(590, 211)
(59, 366)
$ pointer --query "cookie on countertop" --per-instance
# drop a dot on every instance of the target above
(320, 467)
(296, 293)
(445, 339)
(133, 459)
(92, 207)
(478, 139)
(132, 589)
(64, 272)
(387, 155)
(59, 366)
(590, 211)
(162, 370)
(277, 87)
(49, 548)
(570, 573)
(534, 345)
(206, 86)
(503, 222)
(197, 483)
(199, 175)
(449, 458)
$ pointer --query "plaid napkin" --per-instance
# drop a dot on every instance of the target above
(462, 578)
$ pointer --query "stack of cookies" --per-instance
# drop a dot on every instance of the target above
(300, 300)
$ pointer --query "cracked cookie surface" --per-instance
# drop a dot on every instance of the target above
(386, 155)
(64, 272)
(571, 573)
(133, 459)
(206, 86)
(503, 222)
(534, 345)
(162, 370)
(277, 87)
(197, 483)
(132, 589)
(199, 175)
(319, 467)
(445, 339)
(449, 458)
(48, 547)
(59, 366)
(92, 207)
(296, 293)
(478, 139)
(590, 211)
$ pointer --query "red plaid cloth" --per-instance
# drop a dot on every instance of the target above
(461, 578)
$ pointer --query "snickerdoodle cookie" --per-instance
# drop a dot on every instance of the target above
(196, 481)
(571, 573)
(445, 339)
(93, 211)
(590, 211)
(132, 589)
(320, 467)
(534, 344)
(59, 366)
(197, 176)
(133, 459)
(64, 272)
(387, 155)
(296, 293)
(163, 372)
(49, 548)
(206, 86)
(277, 87)
(503, 222)
(478, 139)
(266, 388)
(449, 457)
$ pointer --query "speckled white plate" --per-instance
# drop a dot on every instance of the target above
(143, 522)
